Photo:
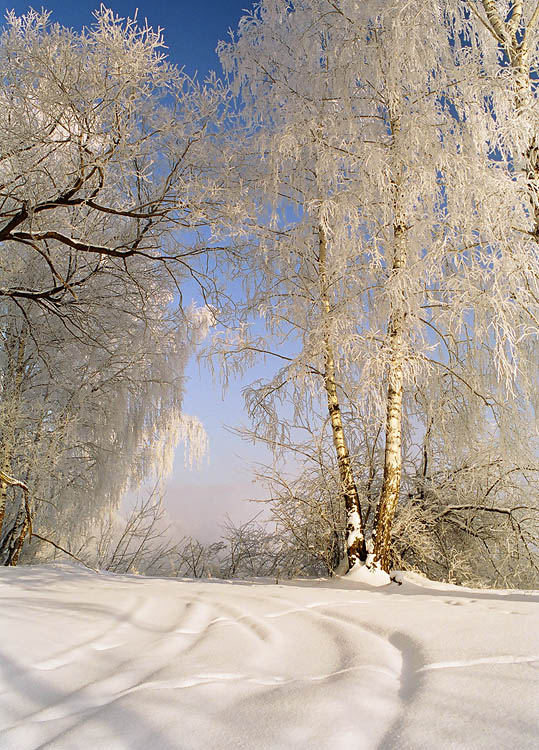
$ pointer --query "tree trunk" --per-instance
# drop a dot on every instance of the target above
(15, 348)
(3, 501)
(389, 495)
(355, 533)
(14, 539)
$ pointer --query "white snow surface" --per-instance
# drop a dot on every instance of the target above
(131, 663)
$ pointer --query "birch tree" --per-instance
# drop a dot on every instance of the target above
(323, 85)
(288, 73)
(107, 191)
(375, 166)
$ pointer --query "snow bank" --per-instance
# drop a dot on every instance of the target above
(127, 663)
(371, 576)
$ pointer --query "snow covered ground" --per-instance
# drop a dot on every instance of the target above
(126, 663)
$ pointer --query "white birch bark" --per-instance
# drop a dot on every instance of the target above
(355, 534)
(389, 496)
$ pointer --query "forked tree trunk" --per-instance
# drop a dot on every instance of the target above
(389, 495)
(355, 533)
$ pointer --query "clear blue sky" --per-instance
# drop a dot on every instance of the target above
(192, 28)
(198, 499)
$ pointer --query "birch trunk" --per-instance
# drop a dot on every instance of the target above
(15, 374)
(355, 533)
(3, 501)
(389, 495)
(13, 542)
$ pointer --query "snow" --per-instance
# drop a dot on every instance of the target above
(131, 663)
(368, 573)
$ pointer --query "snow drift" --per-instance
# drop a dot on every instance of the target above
(128, 663)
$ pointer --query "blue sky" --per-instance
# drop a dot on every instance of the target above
(191, 29)
(198, 499)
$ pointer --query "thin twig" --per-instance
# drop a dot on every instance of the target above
(49, 541)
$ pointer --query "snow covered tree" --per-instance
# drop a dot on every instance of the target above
(289, 78)
(81, 424)
(334, 254)
(376, 268)
(107, 188)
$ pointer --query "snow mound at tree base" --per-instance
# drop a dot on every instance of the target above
(368, 574)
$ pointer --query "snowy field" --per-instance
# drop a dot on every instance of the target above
(128, 663)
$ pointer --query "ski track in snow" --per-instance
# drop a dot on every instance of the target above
(127, 663)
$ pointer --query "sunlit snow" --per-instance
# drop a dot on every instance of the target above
(130, 663)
